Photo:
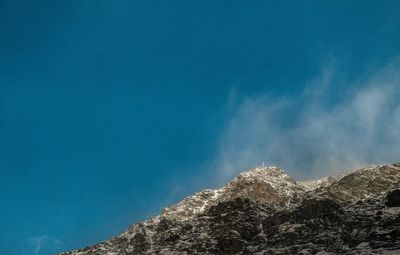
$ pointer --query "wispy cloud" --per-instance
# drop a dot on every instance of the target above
(43, 244)
(321, 131)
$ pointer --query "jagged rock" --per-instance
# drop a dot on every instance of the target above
(315, 208)
(264, 211)
(230, 242)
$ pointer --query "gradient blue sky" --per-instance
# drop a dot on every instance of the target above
(111, 110)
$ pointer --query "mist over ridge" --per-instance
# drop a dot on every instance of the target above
(321, 139)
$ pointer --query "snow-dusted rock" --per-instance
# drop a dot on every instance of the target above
(265, 211)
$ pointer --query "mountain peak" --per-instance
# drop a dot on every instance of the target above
(268, 185)
(264, 184)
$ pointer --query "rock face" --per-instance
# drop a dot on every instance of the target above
(264, 211)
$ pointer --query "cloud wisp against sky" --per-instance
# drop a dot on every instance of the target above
(310, 136)
(41, 244)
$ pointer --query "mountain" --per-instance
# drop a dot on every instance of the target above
(265, 211)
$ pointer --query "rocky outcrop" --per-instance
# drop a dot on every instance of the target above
(264, 211)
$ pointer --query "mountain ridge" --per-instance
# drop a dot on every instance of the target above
(265, 211)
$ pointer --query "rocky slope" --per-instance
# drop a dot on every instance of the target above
(264, 211)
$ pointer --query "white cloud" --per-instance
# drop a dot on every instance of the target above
(42, 244)
(309, 135)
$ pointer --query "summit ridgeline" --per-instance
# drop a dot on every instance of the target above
(265, 211)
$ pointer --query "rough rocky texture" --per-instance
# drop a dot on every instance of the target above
(264, 211)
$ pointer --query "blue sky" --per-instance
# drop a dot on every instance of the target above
(111, 110)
